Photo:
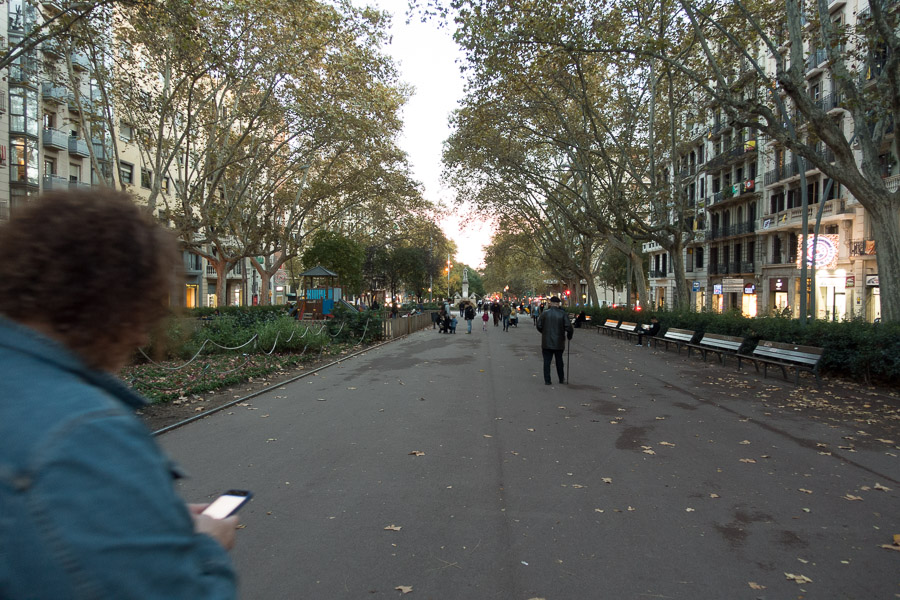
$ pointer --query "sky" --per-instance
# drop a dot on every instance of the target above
(428, 60)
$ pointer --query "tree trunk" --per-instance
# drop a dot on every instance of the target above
(637, 270)
(886, 228)
(266, 272)
(681, 295)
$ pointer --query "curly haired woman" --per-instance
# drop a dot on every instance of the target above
(89, 507)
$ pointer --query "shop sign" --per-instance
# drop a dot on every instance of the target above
(732, 284)
(871, 280)
(750, 288)
(850, 281)
(824, 254)
(778, 284)
(717, 288)
(695, 286)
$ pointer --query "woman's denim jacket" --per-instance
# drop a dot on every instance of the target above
(87, 503)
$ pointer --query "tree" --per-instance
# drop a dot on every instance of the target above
(339, 254)
(749, 59)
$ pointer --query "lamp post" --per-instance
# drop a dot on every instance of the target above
(448, 277)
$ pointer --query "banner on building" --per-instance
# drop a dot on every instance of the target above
(824, 254)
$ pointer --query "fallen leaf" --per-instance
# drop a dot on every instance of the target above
(748, 460)
(600, 510)
(606, 479)
(393, 527)
(488, 436)
(755, 586)
(805, 491)
(416, 453)
(798, 578)
(890, 547)
(405, 589)
(883, 441)
(631, 509)
(575, 485)
(851, 497)
(263, 416)
(878, 486)
(689, 510)
(713, 495)
(669, 444)
(745, 443)
(648, 451)
(351, 388)
(530, 429)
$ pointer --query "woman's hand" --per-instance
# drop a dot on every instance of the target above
(221, 530)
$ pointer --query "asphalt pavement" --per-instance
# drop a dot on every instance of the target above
(441, 467)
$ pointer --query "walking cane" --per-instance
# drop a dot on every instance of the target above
(568, 361)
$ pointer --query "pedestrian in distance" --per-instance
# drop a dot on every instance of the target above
(648, 330)
(484, 320)
(89, 508)
(555, 328)
(505, 311)
(470, 316)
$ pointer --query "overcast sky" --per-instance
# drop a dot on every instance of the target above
(429, 61)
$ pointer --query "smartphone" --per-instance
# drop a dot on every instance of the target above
(227, 504)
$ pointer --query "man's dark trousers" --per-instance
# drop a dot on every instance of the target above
(560, 371)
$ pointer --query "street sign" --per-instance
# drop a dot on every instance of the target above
(695, 286)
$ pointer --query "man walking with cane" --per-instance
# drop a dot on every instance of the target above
(555, 328)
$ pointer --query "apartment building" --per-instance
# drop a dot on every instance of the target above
(744, 199)
(45, 132)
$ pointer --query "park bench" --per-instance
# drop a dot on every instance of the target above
(627, 329)
(723, 345)
(679, 337)
(801, 358)
(609, 326)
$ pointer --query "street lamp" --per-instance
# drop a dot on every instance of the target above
(448, 277)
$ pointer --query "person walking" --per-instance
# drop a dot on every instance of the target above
(505, 311)
(484, 320)
(555, 328)
(470, 316)
(88, 497)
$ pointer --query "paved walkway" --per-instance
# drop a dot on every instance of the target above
(443, 463)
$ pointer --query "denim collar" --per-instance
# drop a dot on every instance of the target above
(24, 340)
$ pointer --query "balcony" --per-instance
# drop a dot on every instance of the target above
(74, 107)
(54, 93)
(54, 183)
(54, 138)
(211, 271)
(815, 58)
(52, 47)
(794, 216)
(658, 273)
(830, 102)
(80, 61)
(78, 147)
(732, 230)
(78, 185)
(862, 248)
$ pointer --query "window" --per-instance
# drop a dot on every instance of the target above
(126, 173)
(49, 166)
(165, 185)
(23, 111)
(146, 178)
(49, 120)
(699, 255)
(24, 160)
(74, 173)
(126, 132)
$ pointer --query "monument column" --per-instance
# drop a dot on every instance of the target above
(465, 284)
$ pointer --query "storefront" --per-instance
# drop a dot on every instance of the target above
(779, 299)
(873, 298)
(191, 295)
(749, 301)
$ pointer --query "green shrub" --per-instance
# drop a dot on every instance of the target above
(853, 349)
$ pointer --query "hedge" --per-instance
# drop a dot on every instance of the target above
(854, 349)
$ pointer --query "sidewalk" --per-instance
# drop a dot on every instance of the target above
(649, 476)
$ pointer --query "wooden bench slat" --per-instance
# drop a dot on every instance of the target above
(800, 358)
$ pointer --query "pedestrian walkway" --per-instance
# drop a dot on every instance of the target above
(443, 464)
